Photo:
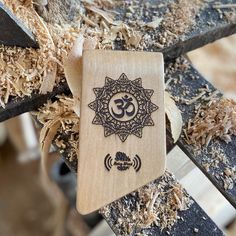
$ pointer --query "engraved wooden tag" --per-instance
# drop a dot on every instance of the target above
(122, 125)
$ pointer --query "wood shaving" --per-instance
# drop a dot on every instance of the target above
(73, 68)
(194, 99)
(61, 118)
(107, 17)
(157, 203)
(174, 116)
(155, 23)
(217, 119)
(47, 135)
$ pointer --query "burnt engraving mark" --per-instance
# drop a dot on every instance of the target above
(108, 162)
(123, 107)
(123, 104)
(122, 162)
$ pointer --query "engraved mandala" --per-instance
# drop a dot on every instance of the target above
(123, 107)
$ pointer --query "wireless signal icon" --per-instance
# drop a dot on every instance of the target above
(137, 163)
(122, 162)
(108, 162)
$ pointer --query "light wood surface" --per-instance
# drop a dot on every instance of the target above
(99, 185)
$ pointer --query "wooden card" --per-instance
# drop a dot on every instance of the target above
(122, 125)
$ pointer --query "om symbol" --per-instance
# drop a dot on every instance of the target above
(123, 106)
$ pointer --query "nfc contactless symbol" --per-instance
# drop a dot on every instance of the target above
(122, 162)
(123, 107)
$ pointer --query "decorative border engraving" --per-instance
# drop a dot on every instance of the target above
(123, 107)
(122, 162)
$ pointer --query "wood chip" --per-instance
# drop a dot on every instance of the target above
(155, 23)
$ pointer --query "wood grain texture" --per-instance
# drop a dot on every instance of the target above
(98, 186)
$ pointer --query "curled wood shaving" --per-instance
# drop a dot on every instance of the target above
(61, 118)
(174, 116)
(47, 134)
(217, 119)
(73, 68)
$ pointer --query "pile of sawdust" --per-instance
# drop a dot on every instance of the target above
(217, 119)
(99, 21)
(179, 19)
(24, 71)
(157, 203)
